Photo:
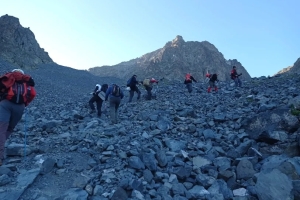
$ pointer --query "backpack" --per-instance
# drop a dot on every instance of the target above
(188, 77)
(104, 87)
(115, 90)
(129, 82)
(214, 77)
(146, 82)
(20, 93)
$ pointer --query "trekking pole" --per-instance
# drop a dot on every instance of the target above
(25, 137)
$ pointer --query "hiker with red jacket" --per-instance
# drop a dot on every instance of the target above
(96, 98)
(235, 76)
(16, 92)
(148, 84)
(115, 94)
(212, 79)
(188, 82)
(132, 83)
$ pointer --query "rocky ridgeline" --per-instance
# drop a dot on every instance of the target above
(174, 60)
(235, 144)
(19, 46)
(291, 69)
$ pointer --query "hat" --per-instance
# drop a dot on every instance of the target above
(234, 67)
(18, 70)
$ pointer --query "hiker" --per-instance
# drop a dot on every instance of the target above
(235, 76)
(188, 82)
(212, 79)
(148, 84)
(115, 95)
(132, 83)
(98, 97)
(16, 92)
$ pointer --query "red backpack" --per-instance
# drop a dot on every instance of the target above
(17, 88)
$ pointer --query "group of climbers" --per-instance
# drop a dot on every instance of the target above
(17, 91)
(212, 79)
(115, 94)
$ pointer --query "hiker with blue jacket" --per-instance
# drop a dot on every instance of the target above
(115, 94)
(132, 83)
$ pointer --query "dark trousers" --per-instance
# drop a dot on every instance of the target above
(114, 103)
(98, 103)
(149, 92)
(189, 87)
(131, 93)
(10, 115)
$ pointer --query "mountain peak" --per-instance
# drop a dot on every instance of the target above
(18, 44)
(177, 41)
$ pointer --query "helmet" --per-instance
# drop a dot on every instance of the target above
(18, 70)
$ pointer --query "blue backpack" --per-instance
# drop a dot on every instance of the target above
(128, 82)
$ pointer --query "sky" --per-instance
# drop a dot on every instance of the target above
(263, 35)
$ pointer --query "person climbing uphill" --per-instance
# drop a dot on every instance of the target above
(148, 84)
(188, 82)
(235, 76)
(98, 97)
(212, 82)
(16, 92)
(132, 83)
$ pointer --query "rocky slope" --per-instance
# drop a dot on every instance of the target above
(173, 61)
(19, 46)
(291, 69)
(235, 144)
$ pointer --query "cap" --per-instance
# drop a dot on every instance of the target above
(18, 70)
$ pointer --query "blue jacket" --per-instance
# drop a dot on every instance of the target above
(109, 92)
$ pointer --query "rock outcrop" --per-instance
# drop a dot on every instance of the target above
(291, 69)
(19, 46)
(174, 60)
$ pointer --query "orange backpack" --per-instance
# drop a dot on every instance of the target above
(188, 77)
(20, 93)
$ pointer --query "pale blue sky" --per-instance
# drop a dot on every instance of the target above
(262, 34)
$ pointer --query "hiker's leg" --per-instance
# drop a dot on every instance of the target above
(239, 82)
(131, 93)
(149, 94)
(117, 104)
(91, 102)
(17, 111)
(5, 114)
(112, 110)
(189, 87)
(138, 92)
(99, 105)
(236, 82)
(3, 130)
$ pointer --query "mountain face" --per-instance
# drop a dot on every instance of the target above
(291, 69)
(19, 46)
(174, 60)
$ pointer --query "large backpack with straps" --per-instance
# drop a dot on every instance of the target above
(129, 82)
(17, 91)
(116, 90)
(146, 82)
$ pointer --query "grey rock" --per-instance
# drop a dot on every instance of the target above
(273, 185)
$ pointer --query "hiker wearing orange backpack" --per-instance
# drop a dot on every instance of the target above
(16, 92)
(188, 82)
